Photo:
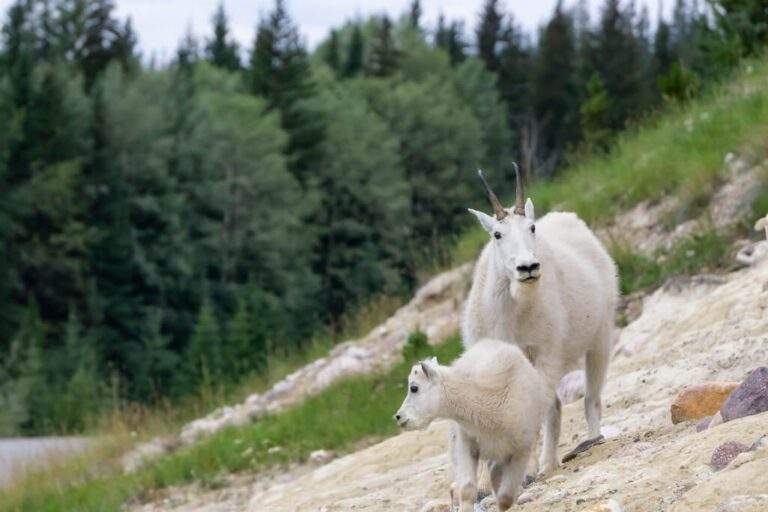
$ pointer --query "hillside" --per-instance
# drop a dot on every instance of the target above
(672, 203)
(693, 330)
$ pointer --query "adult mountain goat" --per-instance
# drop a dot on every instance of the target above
(551, 288)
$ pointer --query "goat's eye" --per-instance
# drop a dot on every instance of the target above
(414, 389)
(533, 228)
(497, 235)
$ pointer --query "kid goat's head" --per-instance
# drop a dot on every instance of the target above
(513, 232)
(422, 403)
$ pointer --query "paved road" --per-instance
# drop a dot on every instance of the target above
(19, 452)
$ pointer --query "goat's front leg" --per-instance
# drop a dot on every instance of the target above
(507, 478)
(548, 461)
(464, 456)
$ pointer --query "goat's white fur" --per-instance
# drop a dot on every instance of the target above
(564, 317)
(496, 400)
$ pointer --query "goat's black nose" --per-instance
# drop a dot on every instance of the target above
(397, 417)
(528, 268)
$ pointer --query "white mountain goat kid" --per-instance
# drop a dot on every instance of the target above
(551, 288)
(496, 400)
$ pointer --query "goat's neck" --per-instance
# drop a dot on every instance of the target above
(470, 403)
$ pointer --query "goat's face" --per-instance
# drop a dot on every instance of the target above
(514, 239)
(422, 403)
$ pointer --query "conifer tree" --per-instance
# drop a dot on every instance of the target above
(354, 62)
(489, 34)
(555, 93)
(332, 53)
(414, 15)
(220, 50)
(383, 55)
(280, 73)
(203, 357)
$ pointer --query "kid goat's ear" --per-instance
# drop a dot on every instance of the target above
(429, 367)
(485, 220)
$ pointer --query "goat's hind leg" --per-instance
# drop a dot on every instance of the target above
(507, 478)
(464, 457)
(596, 368)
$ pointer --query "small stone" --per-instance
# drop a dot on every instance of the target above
(751, 397)
(717, 419)
(725, 453)
(701, 400)
(524, 498)
(274, 450)
(608, 506)
(437, 506)
(556, 479)
(320, 456)
(744, 503)
(741, 459)
(703, 423)
(760, 444)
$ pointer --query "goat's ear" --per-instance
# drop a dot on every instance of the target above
(760, 224)
(485, 220)
(529, 210)
(429, 367)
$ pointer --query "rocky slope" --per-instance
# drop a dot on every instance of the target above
(693, 330)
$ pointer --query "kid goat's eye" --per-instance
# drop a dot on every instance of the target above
(533, 228)
(497, 235)
(414, 389)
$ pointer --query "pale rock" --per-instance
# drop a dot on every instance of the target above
(608, 506)
(437, 506)
(571, 387)
(320, 456)
(744, 503)
(740, 460)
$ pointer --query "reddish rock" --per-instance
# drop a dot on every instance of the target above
(701, 400)
(751, 397)
(725, 453)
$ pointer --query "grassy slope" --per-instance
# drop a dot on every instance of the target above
(336, 419)
(678, 153)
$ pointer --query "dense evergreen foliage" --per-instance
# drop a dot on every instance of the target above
(168, 228)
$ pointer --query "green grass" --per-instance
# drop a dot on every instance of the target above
(679, 153)
(336, 419)
(705, 251)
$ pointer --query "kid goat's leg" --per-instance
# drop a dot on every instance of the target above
(507, 478)
(464, 456)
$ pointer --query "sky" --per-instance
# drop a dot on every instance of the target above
(162, 23)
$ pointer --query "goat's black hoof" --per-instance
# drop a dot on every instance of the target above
(528, 480)
(583, 447)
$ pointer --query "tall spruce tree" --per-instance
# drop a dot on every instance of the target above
(618, 59)
(414, 15)
(353, 64)
(489, 34)
(383, 54)
(221, 50)
(332, 55)
(280, 73)
(555, 86)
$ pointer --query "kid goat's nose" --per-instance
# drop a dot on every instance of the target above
(397, 417)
